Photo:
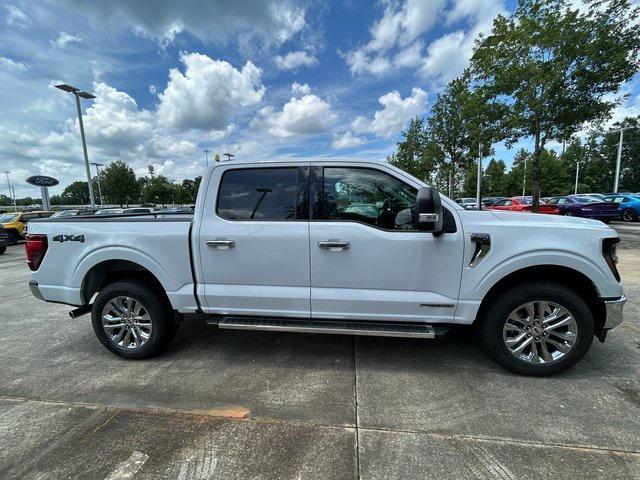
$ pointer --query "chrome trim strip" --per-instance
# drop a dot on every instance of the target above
(613, 309)
(428, 333)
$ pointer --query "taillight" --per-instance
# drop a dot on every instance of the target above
(36, 247)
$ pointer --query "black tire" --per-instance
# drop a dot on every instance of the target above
(3, 249)
(155, 304)
(629, 215)
(505, 303)
(13, 237)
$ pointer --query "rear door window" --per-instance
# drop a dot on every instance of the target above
(263, 194)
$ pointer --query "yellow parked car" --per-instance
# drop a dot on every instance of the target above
(15, 223)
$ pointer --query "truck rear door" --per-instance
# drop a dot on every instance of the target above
(254, 241)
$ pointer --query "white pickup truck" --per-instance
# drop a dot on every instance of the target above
(350, 247)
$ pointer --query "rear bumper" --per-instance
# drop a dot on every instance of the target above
(56, 293)
(613, 309)
(35, 290)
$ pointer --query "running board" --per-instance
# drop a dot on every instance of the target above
(375, 329)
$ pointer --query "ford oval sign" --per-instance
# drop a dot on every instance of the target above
(42, 181)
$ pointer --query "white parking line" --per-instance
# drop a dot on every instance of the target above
(129, 467)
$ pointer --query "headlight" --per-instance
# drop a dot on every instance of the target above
(609, 252)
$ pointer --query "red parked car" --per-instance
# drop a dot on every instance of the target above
(523, 204)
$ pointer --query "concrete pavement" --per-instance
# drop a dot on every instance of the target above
(225, 404)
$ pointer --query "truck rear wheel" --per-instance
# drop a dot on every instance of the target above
(537, 328)
(132, 320)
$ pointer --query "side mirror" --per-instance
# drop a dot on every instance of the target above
(429, 216)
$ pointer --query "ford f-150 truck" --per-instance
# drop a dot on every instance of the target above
(350, 247)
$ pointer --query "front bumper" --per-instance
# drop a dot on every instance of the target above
(613, 309)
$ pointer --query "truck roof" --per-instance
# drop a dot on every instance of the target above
(298, 160)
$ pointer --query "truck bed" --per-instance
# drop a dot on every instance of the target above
(157, 243)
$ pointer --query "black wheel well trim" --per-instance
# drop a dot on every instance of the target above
(566, 276)
(109, 271)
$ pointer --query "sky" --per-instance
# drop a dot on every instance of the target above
(259, 79)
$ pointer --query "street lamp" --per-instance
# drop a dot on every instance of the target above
(577, 174)
(98, 165)
(79, 93)
(619, 159)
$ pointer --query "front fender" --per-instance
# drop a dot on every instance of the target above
(600, 275)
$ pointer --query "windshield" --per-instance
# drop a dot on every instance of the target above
(8, 217)
(584, 199)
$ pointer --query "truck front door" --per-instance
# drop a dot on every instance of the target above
(367, 260)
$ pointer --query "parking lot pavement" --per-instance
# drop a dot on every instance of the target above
(224, 404)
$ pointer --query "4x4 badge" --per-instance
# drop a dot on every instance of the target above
(69, 238)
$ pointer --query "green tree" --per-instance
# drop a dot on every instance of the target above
(158, 189)
(494, 179)
(187, 191)
(553, 68)
(76, 193)
(5, 200)
(412, 153)
(119, 184)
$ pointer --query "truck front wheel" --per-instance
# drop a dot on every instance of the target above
(132, 320)
(537, 328)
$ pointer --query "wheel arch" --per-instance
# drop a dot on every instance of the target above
(566, 276)
(110, 271)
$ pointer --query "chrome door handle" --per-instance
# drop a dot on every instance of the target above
(222, 244)
(334, 245)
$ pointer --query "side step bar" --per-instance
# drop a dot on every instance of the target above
(376, 329)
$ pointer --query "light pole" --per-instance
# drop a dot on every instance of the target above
(618, 160)
(78, 93)
(577, 173)
(229, 156)
(479, 185)
(524, 177)
(206, 156)
(12, 197)
(98, 165)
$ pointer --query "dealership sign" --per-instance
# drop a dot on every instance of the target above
(42, 181)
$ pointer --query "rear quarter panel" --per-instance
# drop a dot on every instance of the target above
(160, 246)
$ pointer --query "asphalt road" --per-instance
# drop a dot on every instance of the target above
(227, 405)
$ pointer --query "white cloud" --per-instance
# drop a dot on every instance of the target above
(65, 39)
(293, 60)
(395, 113)
(114, 121)
(300, 89)
(273, 21)
(399, 27)
(12, 65)
(346, 140)
(209, 93)
(449, 55)
(397, 39)
(16, 17)
(305, 115)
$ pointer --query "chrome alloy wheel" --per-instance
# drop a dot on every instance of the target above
(540, 332)
(126, 322)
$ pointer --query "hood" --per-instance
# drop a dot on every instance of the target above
(526, 218)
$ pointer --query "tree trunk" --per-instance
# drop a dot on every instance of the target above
(535, 175)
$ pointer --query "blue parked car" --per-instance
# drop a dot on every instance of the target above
(629, 206)
(587, 207)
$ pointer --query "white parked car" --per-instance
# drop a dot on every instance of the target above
(351, 247)
(467, 203)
